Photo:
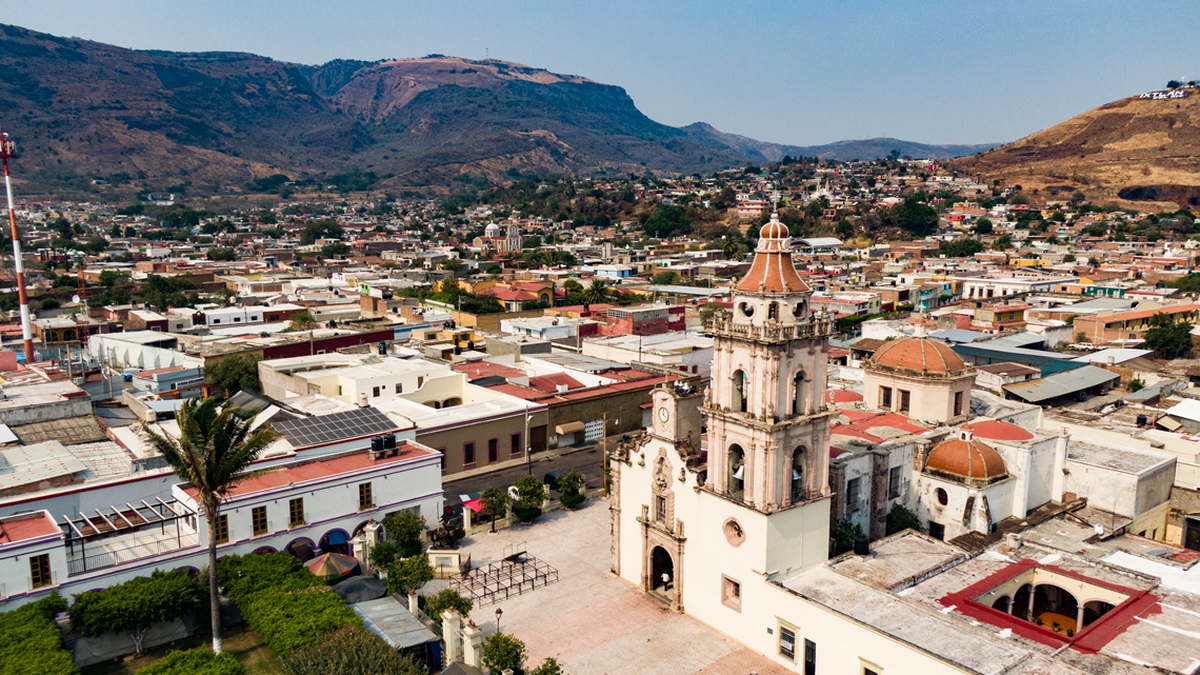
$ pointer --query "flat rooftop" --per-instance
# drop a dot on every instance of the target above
(898, 561)
(1117, 458)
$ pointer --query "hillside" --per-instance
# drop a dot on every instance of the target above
(1137, 150)
(209, 122)
(871, 148)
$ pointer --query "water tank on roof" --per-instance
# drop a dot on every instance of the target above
(389, 441)
(376, 445)
(862, 545)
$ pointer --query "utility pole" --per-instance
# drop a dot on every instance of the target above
(8, 149)
(528, 445)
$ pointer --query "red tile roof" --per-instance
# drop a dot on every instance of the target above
(314, 470)
(999, 431)
(26, 526)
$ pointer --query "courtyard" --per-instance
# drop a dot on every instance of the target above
(592, 622)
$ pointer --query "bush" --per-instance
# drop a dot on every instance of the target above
(407, 530)
(408, 575)
(549, 667)
(900, 518)
(527, 514)
(531, 492)
(288, 621)
(351, 650)
(30, 642)
(571, 499)
(501, 652)
(136, 605)
(241, 576)
(434, 605)
(198, 661)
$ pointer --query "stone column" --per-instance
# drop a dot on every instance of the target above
(358, 547)
(451, 635)
(472, 645)
(467, 513)
(413, 606)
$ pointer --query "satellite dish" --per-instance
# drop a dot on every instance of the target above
(75, 299)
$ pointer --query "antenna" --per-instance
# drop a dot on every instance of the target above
(8, 149)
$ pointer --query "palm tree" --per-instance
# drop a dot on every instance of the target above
(596, 292)
(305, 321)
(214, 446)
(729, 246)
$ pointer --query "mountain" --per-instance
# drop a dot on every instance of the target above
(1139, 149)
(872, 148)
(210, 122)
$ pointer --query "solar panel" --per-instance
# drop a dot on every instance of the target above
(309, 431)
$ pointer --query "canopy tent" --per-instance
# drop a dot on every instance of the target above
(332, 566)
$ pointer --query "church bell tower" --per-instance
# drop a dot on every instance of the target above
(768, 420)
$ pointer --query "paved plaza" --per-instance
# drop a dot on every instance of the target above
(593, 622)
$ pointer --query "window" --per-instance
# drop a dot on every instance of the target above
(660, 508)
(869, 670)
(339, 390)
(852, 494)
(493, 450)
(258, 518)
(787, 642)
(958, 397)
(420, 381)
(399, 388)
(237, 319)
(904, 401)
(894, 482)
(515, 442)
(365, 500)
(810, 657)
(222, 528)
(885, 397)
(731, 593)
(374, 392)
(468, 453)
(296, 512)
(39, 570)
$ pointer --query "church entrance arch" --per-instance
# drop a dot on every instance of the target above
(662, 573)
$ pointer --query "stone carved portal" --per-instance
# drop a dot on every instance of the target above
(662, 538)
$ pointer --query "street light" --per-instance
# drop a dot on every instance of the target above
(498, 613)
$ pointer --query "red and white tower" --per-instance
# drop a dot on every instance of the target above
(8, 149)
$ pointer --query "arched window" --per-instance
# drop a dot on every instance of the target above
(737, 469)
(773, 311)
(798, 393)
(739, 391)
(798, 478)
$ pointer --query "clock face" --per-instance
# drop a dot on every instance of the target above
(664, 414)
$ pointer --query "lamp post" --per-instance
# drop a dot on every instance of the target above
(499, 612)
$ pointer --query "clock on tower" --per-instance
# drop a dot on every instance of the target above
(677, 413)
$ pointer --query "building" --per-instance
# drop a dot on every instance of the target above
(918, 377)
(645, 320)
(1107, 327)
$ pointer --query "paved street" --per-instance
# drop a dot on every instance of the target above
(586, 459)
(591, 621)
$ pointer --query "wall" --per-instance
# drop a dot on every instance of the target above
(41, 412)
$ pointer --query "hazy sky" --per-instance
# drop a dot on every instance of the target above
(959, 71)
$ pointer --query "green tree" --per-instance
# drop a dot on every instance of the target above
(900, 518)
(531, 492)
(533, 242)
(841, 539)
(320, 229)
(1002, 242)
(571, 489)
(335, 249)
(302, 321)
(234, 373)
(197, 661)
(730, 246)
(350, 650)
(221, 254)
(1136, 384)
(960, 248)
(434, 605)
(503, 652)
(135, 605)
(667, 278)
(1169, 338)
(667, 221)
(213, 448)
(495, 269)
(983, 226)
(596, 292)
(407, 529)
(1070, 257)
(495, 503)
(409, 575)
(548, 667)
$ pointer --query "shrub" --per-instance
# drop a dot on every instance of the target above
(30, 641)
(571, 499)
(407, 530)
(288, 621)
(408, 575)
(549, 667)
(502, 652)
(434, 605)
(136, 605)
(527, 514)
(350, 650)
(900, 518)
(241, 576)
(198, 661)
(530, 495)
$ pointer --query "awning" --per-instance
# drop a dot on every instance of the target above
(337, 537)
(568, 428)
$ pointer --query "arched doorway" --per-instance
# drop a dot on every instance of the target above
(302, 548)
(264, 550)
(662, 573)
(739, 391)
(335, 541)
(737, 469)
(798, 487)
(1020, 603)
(1093, 610)
(1055, 608)
(1004, 604)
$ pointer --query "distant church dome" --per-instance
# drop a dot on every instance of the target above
(773, 229)
(964, 457)
(919, 354)
(492, 230)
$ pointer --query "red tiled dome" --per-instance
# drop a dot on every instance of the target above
(967, 458)
(773, 270)
(773, 230)
(923, 354)
(999, 431)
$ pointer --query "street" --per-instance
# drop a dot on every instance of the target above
(586, 459)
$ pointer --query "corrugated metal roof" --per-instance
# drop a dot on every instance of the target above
(1062, 384)
(1188, 409)
(958, 335)
(1000, 352)
(1116, 355)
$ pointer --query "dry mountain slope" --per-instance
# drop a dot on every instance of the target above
(1134, 149)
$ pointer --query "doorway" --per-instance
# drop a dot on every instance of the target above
(662, 573)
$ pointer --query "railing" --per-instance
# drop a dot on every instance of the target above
(769, 332)
(116, 553)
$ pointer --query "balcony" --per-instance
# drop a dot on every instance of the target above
(125, 549)
(124, 534)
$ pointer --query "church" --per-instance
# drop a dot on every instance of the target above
(738, 536)
(493, 242)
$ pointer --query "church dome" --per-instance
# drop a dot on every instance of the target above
(773, 270)
(773, 229)
(492, 230)
(920, 354)
(965, 457)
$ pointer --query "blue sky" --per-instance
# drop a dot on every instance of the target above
(959, 71)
